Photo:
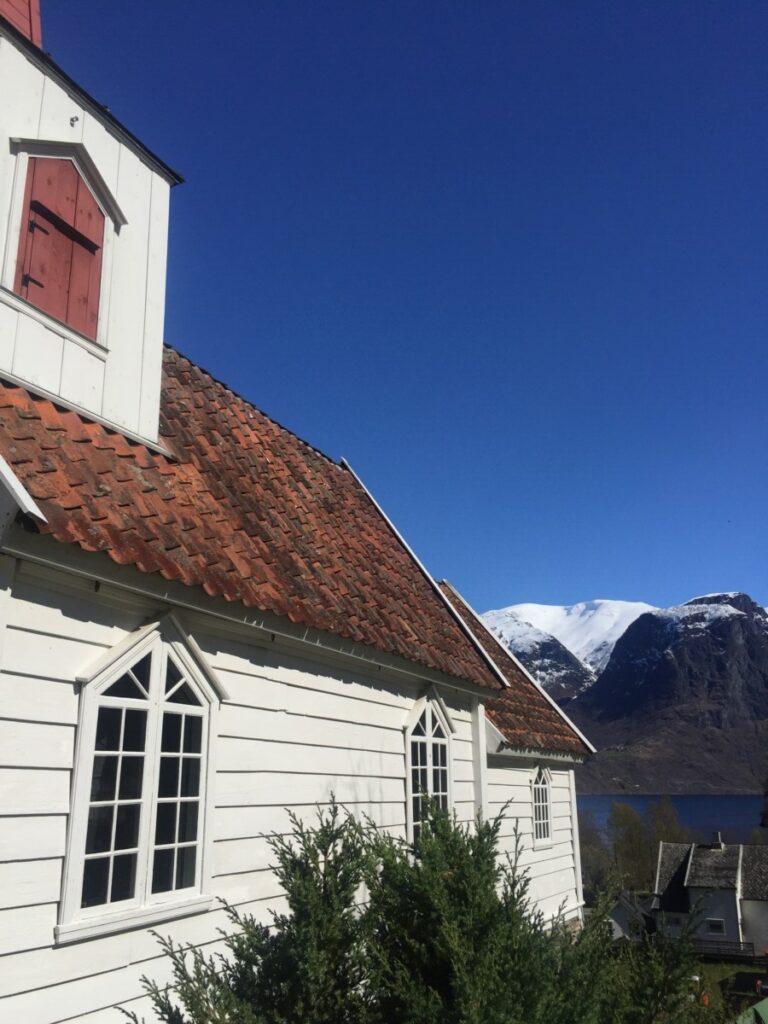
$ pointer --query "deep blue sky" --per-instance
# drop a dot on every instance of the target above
(508, 258)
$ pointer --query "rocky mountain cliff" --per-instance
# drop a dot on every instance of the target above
(682, 702)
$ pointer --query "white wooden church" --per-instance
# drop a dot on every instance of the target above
(203, 619)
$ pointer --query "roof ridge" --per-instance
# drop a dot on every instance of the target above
(247, 402)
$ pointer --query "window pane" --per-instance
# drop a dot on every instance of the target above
(184, 695)
(438, 730)
(185, 867)
(162, 873)
(165, 828)
(99, 836)
(123, 877)
(193, 734)
(95, 879)
(108, 729)
(420, 728)
(169, 777)
(135, 728)
(190, 777)
(127, 827)
(141, 670)
(171, 732)
(104, 778)
(125, 687)
(131, 776)
(187, 822)
(172, 675)
(417, 808)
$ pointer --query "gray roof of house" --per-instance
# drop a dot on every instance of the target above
(714, 867)
(673, 863)
(754, 873)
(682, 866)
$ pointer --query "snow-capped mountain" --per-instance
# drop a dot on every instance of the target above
(550, 663)
(587, 630)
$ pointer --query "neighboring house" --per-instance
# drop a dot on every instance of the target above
(726, 884)
(630, 918)
(203, 619)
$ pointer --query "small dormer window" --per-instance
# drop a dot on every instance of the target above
(61, 245)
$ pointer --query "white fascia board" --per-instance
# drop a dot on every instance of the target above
(14, 497)
(432, 582)
(527, 674)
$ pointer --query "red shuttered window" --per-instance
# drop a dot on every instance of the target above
(61, 245)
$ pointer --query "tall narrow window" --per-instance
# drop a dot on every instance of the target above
(61, 245)
(140, 796)
(427, 764)
(542, 825)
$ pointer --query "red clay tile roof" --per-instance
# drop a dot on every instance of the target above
(245, 510)
(521, 713)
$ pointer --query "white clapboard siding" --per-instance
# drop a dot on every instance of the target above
(44, 700)
(26, 883)
(34, 791)
(32, 838)
(280, 727)
(23, 928)
(276, 789)
(47, 656)
(251, 755)
(35, 744)
(245, 822)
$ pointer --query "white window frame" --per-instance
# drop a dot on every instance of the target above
(437, 707)
(114, 220)
(718, 921)
(543, 773)
(163, 639)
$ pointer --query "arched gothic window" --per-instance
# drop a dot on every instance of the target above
(140, 797)
(542, 813)
(428, 758)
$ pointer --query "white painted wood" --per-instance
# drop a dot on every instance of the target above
(248, 723)
(9, 319)
(33, 791)
(46, 656)
(277, 789)
(48, 700)
(32, 838)
(61, 117)
(154, 310)
(82, 377)
(38, 354)
(104, 149)
(23, 928)
(256, 820)
(28, 883)
(255, 754)
(35, 745)
(122, 382)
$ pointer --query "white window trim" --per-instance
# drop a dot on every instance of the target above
(715, 920)
(114, 219)
(76, 923)
(544, 842)
(433, 698)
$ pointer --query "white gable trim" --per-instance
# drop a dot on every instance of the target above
(432, 696)
(14, 497)
(183, 644)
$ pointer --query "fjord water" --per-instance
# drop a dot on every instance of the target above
(736, 817)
